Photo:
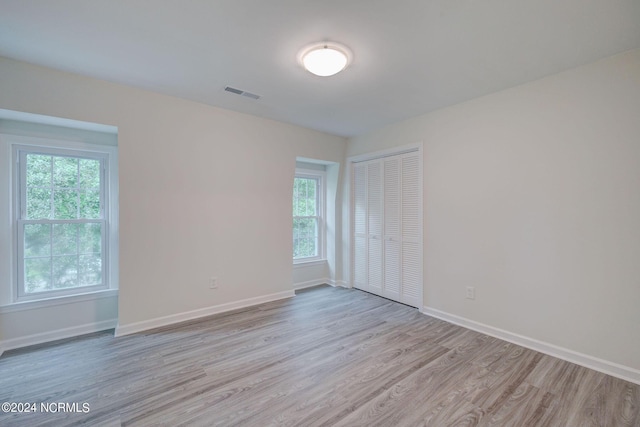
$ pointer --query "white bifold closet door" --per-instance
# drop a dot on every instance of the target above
(360, 235)
(392, 229)
(411, 206)
(387, 228)
(374, 227)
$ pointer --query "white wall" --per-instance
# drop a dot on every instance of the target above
(532, 196)
(334, 229)
(203, 191)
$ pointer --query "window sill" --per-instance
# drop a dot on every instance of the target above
(301, 263)
(49, 302)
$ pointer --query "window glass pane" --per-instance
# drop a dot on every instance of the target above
(37, 274)
(305, 231)
(64, 255)
(311, 196)
(38, 170)
(65, 204)
(299, 207)
(304, 196)
(38, 203)
(65, 172)
(90, 270)
(89, 173)
(90, 204)
(90, 238)
(65, 272)
(296, 184)
(65, 239)
(37, 240)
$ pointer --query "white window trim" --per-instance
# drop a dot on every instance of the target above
(110, 153)
(305, 263)
(322, 196)
(57, 300)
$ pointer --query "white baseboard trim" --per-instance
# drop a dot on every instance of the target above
(57, 334)
(325, 281)
(610, 368)
(144, 325)
(341, 283)
(312, 283)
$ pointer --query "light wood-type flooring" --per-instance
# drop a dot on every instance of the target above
(328, 357)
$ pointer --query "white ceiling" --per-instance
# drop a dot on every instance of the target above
(410, 56)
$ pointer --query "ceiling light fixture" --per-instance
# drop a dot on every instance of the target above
(325, 58)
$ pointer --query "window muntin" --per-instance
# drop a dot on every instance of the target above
(308, 223)
(61, 225)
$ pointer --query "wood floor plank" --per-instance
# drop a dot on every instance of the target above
(392, 404)
(614, 402)
(329, 356)
(526, 406)
(308, 382)
(303, 368)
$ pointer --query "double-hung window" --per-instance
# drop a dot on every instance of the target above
(62, 201)
(308, 216)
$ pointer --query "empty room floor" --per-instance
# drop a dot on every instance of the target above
(329, 356)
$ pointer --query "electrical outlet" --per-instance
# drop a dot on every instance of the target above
(213, 283)
(471, 292)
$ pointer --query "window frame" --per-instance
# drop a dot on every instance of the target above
(107, 155)
(320, 176)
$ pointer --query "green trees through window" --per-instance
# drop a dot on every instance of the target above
(306, 217)
(61, 228)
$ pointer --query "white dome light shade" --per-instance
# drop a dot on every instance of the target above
(325, 59)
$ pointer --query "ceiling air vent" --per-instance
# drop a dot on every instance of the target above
(241, 92)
